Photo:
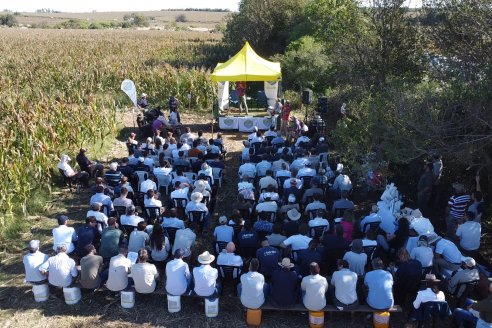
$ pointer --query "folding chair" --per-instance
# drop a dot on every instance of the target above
(217, 173)
(220, 246)
(69, 180)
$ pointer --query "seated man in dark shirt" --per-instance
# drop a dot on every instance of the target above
(306, 256)
(87, 165)
(197, 165)
(284, 291)
(218, 163)
(269, 257)
(407, 275)
(125, 169)
(247, 239)
(335, 247)
(87, 234)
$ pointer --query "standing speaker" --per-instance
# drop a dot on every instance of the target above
(323, 104)
(307, 96)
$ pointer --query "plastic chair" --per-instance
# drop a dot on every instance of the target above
(69, 180)
(142, 176)
(430, 311)
(152, 213)
(171, 234)
(271, 216)
(317, 232)
(373, 226)
(220, 246)
(164, 181)
(217, 173)
(370, 250)
(196, 216)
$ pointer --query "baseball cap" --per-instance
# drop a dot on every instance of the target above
(223, 219)
(292, 198)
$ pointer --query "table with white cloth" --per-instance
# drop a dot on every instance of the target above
(244, 123)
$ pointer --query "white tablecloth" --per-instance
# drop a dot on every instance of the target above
(244, 123)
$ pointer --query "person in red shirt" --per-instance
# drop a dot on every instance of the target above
(285, 117)
(241, 95)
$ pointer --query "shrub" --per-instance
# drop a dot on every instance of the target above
(181, 18)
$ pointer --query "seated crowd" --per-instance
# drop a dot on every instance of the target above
(292, 236)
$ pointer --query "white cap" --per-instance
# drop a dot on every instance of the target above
(223, 219)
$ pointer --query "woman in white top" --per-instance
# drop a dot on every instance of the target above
(431, 293)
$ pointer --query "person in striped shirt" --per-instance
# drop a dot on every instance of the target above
(456, 208)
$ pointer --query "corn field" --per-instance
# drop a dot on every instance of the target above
(60, 89)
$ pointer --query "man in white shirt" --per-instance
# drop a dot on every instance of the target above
(263, 166)
(302, 139)
(344, 283)
(178, 275)
(267, 206)
(423, 253)
(253, 134)
(100, 197)
(268, 180)
(316, 204)
(172, 220)
(205, 276)
(60, 269)
(469, 233)
(299, 241)
(32, 261)
(314, 288)
(306, 171)
(148, 184)
(144, 274)
(248, 169)
(119, 267)
(447, 255)
(130, 218)
(227, 257)
(252, 289)
(284, 171)
(64, 235)
(299, 163)
(372, 217)
(152, 200)
(95, 211)
(319, 221)
(181, 190)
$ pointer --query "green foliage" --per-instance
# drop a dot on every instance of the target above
(8, 20)
(305, 65)
(265, 24)
(135, 19)
(74, 24)
(63, 93)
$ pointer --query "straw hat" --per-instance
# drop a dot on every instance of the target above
(286, 263)
(431, 277)
(293, 214)
(196, 197)
(206, 258)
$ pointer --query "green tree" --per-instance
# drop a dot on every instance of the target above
(8, 20)
(305, 65)
(266, 24)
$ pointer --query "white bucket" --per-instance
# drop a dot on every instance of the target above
(127, 299)
(72, 295)
(212, 307)
(41, 292)
(173, 303)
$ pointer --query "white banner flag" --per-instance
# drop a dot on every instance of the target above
(271, 89)
(223, 94)
(128, 87)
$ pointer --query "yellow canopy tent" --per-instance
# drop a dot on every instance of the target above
(246, 65)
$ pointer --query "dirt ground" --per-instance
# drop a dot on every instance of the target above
(18, 309)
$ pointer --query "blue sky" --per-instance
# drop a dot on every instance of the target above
(114, 5)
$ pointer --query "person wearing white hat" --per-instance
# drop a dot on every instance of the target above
(143, 102)
(469, 273)
(68, 172)
(32, 261)
(205, 277)
(291, 203)
(196, 205)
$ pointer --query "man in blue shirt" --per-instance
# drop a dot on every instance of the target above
(269, 257)
(247, 238)
(284, 291)
(380, 285)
